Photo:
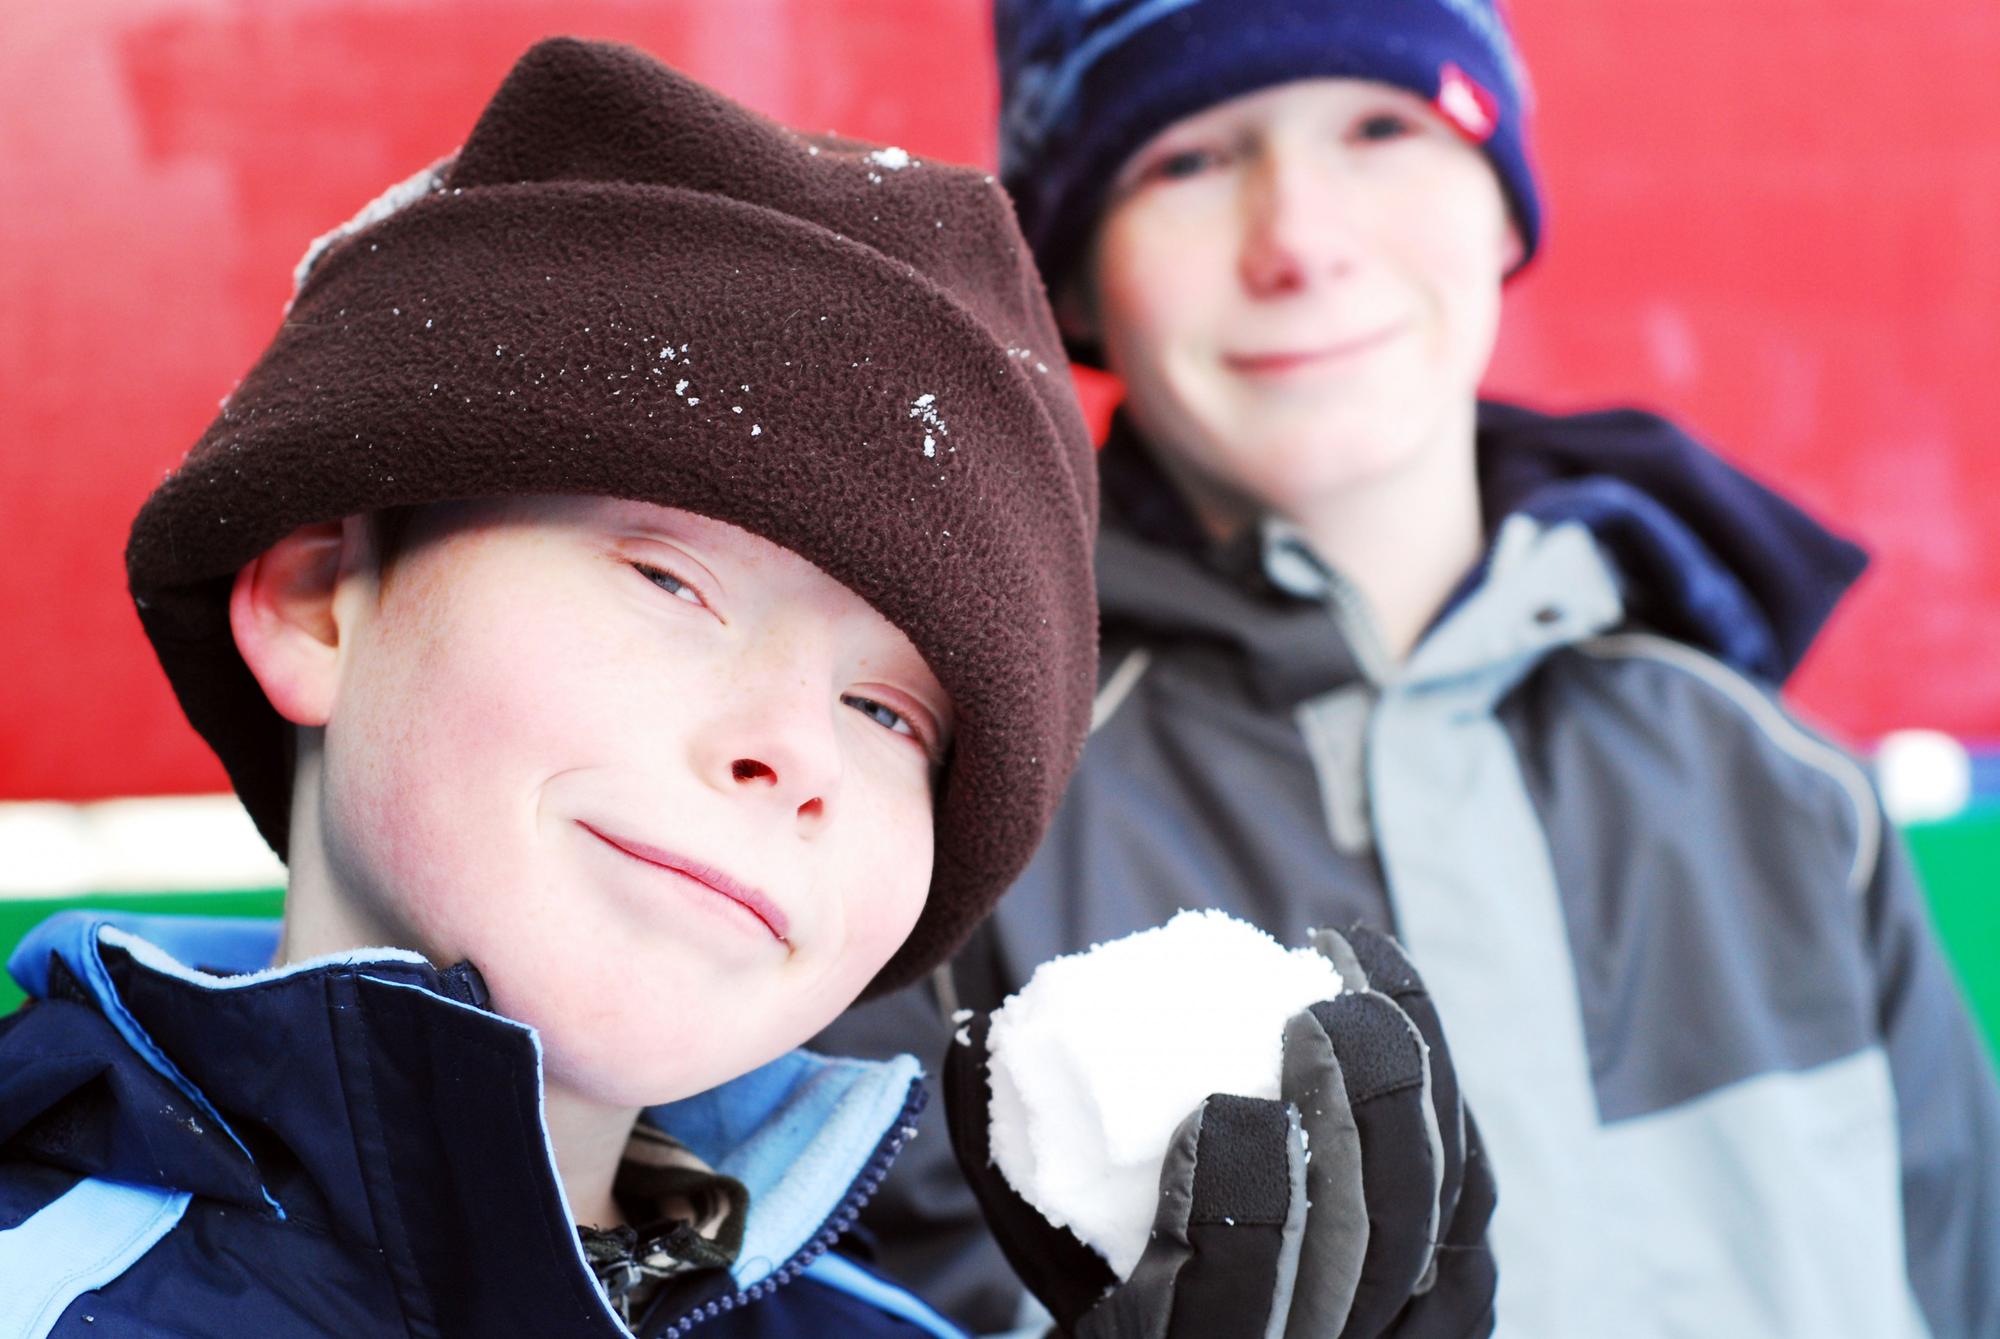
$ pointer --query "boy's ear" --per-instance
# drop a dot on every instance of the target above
(1512, 250)
(287, 626)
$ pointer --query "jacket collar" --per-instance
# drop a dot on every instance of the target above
(1260, 604)
(372, 1096)
(1700, 550)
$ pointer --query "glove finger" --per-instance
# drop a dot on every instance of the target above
(1390, 972)
(1383, 1062)
(1334, 946)
(1480, 1197)
(1336, 1239)
(1460, 1305)
(1065, 1274)
(1225, 1244)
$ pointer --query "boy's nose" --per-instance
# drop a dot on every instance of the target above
(1295, 233)
(780, 753)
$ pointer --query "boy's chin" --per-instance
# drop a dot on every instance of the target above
(645, 1066)
(639, 1081)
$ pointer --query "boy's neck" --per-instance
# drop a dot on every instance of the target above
(588, 1139)
(1406, 538)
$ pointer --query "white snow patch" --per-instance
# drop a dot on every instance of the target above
(891, 157)
(925, 409)
(1097, 1060)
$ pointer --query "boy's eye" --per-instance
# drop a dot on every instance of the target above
(1381, 126)
(886, 717)
(668, 582)
(1181, 164)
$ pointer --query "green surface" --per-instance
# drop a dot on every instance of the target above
(18, 916)
(1960, 863)
(1959, 860)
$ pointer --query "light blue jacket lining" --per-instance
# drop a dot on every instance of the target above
(42, 1267)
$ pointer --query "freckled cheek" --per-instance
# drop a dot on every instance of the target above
(1460, 250)
(1163, 279)
(888, 880)
(451, 798)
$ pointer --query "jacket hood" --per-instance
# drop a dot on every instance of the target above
(1709, 555)
(1706, 554)
(371, 1095)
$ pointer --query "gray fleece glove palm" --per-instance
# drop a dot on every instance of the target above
(1355, 1205)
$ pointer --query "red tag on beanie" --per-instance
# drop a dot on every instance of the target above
(1470, 108)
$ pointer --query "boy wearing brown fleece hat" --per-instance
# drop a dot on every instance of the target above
(644, 591)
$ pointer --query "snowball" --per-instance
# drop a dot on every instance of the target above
(1099, 1058)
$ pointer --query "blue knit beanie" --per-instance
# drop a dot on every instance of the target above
(1085, 83)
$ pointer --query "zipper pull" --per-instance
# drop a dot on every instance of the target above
(463, 983)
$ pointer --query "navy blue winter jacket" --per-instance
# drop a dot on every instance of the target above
(192, 1146)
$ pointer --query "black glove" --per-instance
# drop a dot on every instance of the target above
(1394, 1241)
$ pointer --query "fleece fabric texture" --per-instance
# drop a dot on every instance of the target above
(626, 285)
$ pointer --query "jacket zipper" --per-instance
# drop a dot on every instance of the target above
(836, 1225)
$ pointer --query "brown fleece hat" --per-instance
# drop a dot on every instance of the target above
(626, 285)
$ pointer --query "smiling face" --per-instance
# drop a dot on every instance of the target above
(667, 784)
(1300, 288)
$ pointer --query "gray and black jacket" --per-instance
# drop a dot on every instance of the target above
(1724, 1074)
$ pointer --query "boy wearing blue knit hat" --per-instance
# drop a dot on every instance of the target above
(1506, 683)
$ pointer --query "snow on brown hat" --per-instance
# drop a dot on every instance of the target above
(626, 285)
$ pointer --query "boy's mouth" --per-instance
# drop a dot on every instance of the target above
(1282, 362)
(752, 901)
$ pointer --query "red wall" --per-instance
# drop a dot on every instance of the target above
(1773, 221)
